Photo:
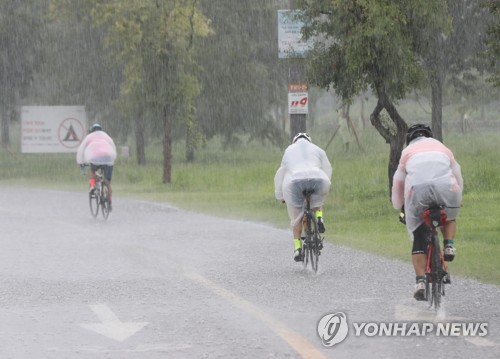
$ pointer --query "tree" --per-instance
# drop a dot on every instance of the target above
(493, 41)
(451, 52)
(21, 54)
(370, 44)
(77, 69)
(242, 79)
(152, 42)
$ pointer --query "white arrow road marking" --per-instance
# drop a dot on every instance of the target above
(110, 325)
(404, 313)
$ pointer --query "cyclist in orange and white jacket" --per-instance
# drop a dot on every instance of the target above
(97, 149)
(303, 166)
(427, 174)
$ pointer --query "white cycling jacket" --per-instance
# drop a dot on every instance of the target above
(427, 172)
(97, 148)
(301, 160)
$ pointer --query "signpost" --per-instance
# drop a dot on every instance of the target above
(298, 99)
(290, 43)
(292, 46)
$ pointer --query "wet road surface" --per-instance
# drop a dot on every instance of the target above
(158, 282)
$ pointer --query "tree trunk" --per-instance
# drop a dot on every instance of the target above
(5, 127)
(296, 76)
(437, 107)
(167, 146)
(190, 143)
(395, 140)
(297, 124)
(362, 111)
(140, 142)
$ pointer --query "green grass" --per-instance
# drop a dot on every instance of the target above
(238, 183)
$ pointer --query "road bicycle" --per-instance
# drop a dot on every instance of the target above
(99, 197)
(312, 242)
(436, 271)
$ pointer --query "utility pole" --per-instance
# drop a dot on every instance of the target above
(296, 77)
(293, 49)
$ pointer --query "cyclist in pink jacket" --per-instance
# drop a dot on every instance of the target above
(97, 149)
(304, 166)
(427, 174)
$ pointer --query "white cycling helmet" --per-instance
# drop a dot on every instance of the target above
(302, 135)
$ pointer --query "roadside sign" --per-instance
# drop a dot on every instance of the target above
(298, 99)
(52, 129)
(290, 42)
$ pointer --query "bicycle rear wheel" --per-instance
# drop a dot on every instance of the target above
(316, 246)
(104, 199)
(94, 202)
(306, 242)
(305, 252)
(311, 252)
(437, 274)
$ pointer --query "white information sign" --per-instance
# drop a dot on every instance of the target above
(51, 129)
(290, 42)
(298, 99)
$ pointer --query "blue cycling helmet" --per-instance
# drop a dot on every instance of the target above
(95, 127)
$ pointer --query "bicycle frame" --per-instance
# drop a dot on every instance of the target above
(100, 196)
(436, 270)
(312, 243)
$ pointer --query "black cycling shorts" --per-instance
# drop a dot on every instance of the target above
(420, 236)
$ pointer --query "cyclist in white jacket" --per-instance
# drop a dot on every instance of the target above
(427, 174)
(304, 166)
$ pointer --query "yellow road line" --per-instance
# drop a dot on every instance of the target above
(300, 344)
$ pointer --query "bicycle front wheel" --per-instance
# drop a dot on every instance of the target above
(105, 200)
(94, 203)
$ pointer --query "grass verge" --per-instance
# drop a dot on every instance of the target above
(239, 184)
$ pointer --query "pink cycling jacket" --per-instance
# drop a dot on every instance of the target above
(427, 171)
(97, 148)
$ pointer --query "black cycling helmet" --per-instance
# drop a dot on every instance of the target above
(301, 135)
(418, 130)
(95, 127)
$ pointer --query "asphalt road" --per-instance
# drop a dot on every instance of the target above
(157, 282)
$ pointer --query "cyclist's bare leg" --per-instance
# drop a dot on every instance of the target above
(110, 190)
(419, 263)
(92, 177)
(449, 229)
(297, 230)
